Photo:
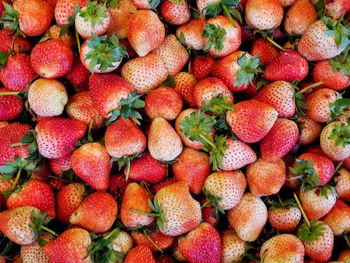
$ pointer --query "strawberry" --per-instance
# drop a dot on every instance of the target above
(102, 54)
(133, 142)
(163, 102)
(316, 44)
(207, 89)
(202, 244)
(337, 8)
(333, 79)
(233, 248)
(60, 165)
(164, 183)
(107, 91)
(140, 253)
(334, 140)
(2, 7)
(34, 252)
(248, 217)
(91, 163)
(263, 15)
(184, 84)
(299, 17)
(210, 213)
(69, 198)
(78, 75)
(237, 70)
(343, 184)
(10, 41)
(191, 32)
(92, 19)
(29, 17)
(264, 50)
(17, 73)
(51, 59)
(286, 3)
(71, 245)
(338, 218)
(56, 137)
(123, 243)
(202, 66)
(47, 97)
(159, 241)
(255, 112)
(225, 189)
(96, 213)
(280, 140)
(54, 32)
(344, 256)
(145, 73)
(145, 32)
(134, 206)
(193, 167)
(164, 143)
(221, 36)
(173, 54)
(117, 185)
(64, 10)
(309, 130)
(284, 218)
(10, 106)
(33, 193)
(175, 13)
(318, 104)
(147, 169)
(283, 248)
(80, 108)
(288, 66)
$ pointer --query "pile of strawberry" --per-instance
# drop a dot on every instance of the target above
(176, 130)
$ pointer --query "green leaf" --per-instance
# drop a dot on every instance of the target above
(301, 106)
(5, 169)
(338, 31)
(182, 39)
(154, 3)
(93, 13)
(249, 69)
(3, 58)
(169, 82)
(310, 233)
(340, 133)
(215, 37)
(339, 107)
(216, 151)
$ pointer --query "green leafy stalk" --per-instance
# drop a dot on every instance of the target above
(305, 172)
(215, 37)
(309, 233)
(93, 13)
(249, 69)
(39, 222)
(341, 133)
(156, 212)
(216, 150)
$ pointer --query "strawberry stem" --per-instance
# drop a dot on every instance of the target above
(274, 43)
(301, 209)
(14, 184)
(49, 230)
(205, 204)
(9, 93)
(78, 40)
(228, 15)
(146, 213)
(314, 85)
(89, 135)
(152, 241)
(347, 240)
(204, 138)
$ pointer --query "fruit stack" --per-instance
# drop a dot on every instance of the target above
(174, 131)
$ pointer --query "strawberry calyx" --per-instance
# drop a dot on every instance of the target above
(10, 20)
(214, 200)
(156, 212)
(71, 20)
(338, 31)
(305, 172)
(215, 37)
(93, 13)
(310, 232)
(249, 69)
(340, 133)
(228, 7)
(216, 150)
(39, 222)
(125, 161)
(286, 204)
(339, 108)
(341, 63)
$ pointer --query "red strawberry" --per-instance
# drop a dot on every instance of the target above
(145, 73)
(64, 9)
(264, 50)
(136, 198)
(288, 66)
(78, 75)
(184, 84)
(210, 213)
(283, 248)
(193, 167)
(343, 184)
(33, 193)
(337, 8)
(233, 248)
(248, 217)
(226, 187)
(54, 32)
(202, 244)
(202, 66)
(192, 32)
(10, 106)
(162, 241)
(318, 104)
(56, 137)
(47, 97)
(173, 54)
(71, 245)
(69, 198)
(145, 32)
(260, 115)
(117, 185)
(163, 102)
(309, 130)
(147, 169)
(263, 15)
(17, 73)
(96, 213)
(140, 253)
(51, 59)
(338, 218)
(163, 184)
(333, 79)
(107, 91)
(175, 13)
(9, 41)
(284, 219)
(60, 165)
(280, 140)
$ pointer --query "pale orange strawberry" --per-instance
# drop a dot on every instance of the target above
(284, 219)
(54, 32)
(343, 184)
(34, 252)
(184, 84)
(337, 8)
(344, 256)
(123, 243)
(338, 218)
(309, 130)
(145, 32)
(145, 73)
(175, 13)
(192, 32)
(64, 9)
(248, 217)
(233, 248)
(318, 104)
(286, 3)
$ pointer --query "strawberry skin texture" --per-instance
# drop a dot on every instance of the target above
(140, 253)
(175, 13)
(202, 66)
(264, 50)
(51, 59)
(7, 38)
(64, 9)
(318, 104)
(343, 184)
(233, 248)
(284, 219)
(117, 185)
(34, 193)
(71, 246)
(184, 84)
(60, 165)
(192, 32)
(309, 130)
(17, 73)
(203, 244)
(337, 8)
(338, 218)
(10, 106)
(163, 241)
(78, 75)
(56, 137)
(96, 213)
